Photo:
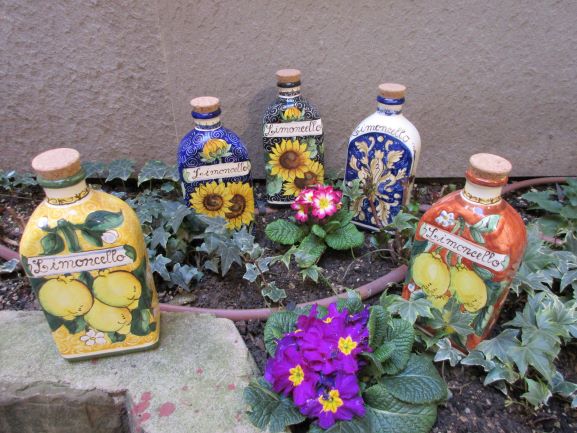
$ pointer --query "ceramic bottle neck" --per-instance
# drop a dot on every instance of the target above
(289, 92)
(390, 107)
(67, 195)
(481, 194)
(207, 124)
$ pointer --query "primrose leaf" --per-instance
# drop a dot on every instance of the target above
(353, 302)
(152, 170)
(273, 292)
(355, 425)
(319, 231)
(446, 352)
(345, 237)
(284, 232)
(276, 327)
(418, 383)
(542, 200)
(378, 321)
(309, 251)
(401, 334)
(120, 169)
(408, 309)
(269, 410)
(385, 413)
(538, 393)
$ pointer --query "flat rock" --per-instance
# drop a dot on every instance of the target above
(191, 383)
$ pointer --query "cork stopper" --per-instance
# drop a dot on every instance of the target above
(392, 90)
(489, 168)
(57, 164)
(205, 104)
(288, 76)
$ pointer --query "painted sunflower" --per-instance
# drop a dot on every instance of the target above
(314, 174)
(289, 159)
(241, 211)
(212, 199)
(292, 113)
(213, 149)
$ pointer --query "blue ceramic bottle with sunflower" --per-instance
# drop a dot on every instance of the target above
(214, 167)
(293, 141)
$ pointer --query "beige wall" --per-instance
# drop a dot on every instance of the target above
(113, 78)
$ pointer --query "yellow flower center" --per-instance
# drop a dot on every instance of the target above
(297, 375)
(347, 345)
(238, 206)
(328, 320)
(324, 203)
(213, 202)
(332, 403)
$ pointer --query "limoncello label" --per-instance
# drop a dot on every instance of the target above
(293, 129)
(216, 171)
(466, 249)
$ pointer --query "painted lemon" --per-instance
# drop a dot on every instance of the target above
(105, 318)
(439, 302)
(117, 289)
(65, 297)
(469, 288)
(431, 274)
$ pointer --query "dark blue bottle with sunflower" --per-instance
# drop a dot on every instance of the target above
(293, 141)
(214, 168)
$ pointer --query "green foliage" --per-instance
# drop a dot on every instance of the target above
(11, 180)
(284, 232)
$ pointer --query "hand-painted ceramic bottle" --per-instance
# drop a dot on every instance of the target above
(85, 256)
(293, 141)
(468, 247)
(383, 154)
(214, 167)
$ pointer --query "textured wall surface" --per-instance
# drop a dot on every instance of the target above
(115, 81)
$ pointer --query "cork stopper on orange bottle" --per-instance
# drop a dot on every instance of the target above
(392, 90)
(488, 169)
(57, 164)
(284, 76)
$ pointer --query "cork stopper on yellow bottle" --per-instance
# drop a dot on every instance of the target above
(57, 164)
(205, 104)
(284, 76)
(392, 90)
(487, 168)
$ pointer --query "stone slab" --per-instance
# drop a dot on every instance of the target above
(191, 383)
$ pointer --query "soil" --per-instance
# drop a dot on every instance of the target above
(472, 407)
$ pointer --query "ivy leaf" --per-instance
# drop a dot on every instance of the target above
(312, 272)
(353, 302)
(446, 352)
(501, 372)
(543, 200)
(401, 334)
(452, 319)
(9, 266)
(561, 386)
(120, 169)
(386, 413)
(418, 383)
(284, 232)
(178, 215)
(158, 265)
(229, 254)
(534, 354)
(309, 251)
(152, 170)
(273, 185)
(378, 321)
(269, 410)
(243, 239)
(251, 273)
(500, 346)
(476, 357)
(182, 275)
(538, 393)
(408, 309)
(404, 221)
(93, 169)
(345, 237)
(159, 237)
(272, 292)
(277, 325)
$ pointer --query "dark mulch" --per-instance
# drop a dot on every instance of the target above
(472, 408)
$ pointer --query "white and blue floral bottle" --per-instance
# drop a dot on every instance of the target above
(383, 154)
(214, 168)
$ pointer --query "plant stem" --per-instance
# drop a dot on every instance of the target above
(360, 257)
(260, 272)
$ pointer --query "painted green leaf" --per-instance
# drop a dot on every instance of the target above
(345, 237)
(385, 413)
(284, 232)
(378, 322)
(53, 321)
(140, 324)
(120, 169)
(273, 185)
(75, 326)
(487, 225)
(484, 273)
(418, 383)
(115, 337)
(477, 235)
(309, 251)
(52, 243)
(69, 233)
(401, 334)
(269, 410)
(93, 237)
(102, 220)
(130, 252)
(276, 327)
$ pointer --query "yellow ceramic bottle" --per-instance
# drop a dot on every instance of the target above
(85, 256)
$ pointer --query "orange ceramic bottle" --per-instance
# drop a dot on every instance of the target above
(468, 246)
(85, 256)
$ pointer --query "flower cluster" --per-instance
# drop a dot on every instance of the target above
(320, 200)
(317, 365)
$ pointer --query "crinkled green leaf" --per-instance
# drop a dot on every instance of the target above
(277, 325)
(401, 334)
(309, 251)
(269, 410)
(284, 232)
(319, 231)
(345, 237)
(353, 302)
(378, 322)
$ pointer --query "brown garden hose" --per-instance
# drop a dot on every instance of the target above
(366, 291)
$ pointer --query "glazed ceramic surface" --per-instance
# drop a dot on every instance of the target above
(293, 147)
(383, 154)
(88, 266)
(215, 174)
(467, 252)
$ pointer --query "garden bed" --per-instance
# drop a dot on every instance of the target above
(472, 408)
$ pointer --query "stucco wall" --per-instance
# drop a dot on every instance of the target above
(114, 78)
